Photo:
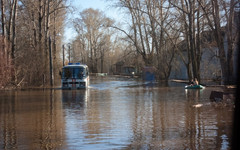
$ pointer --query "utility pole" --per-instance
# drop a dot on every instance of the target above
(63, 55)
(69, 46)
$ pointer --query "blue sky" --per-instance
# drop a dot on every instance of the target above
(80, 5)
(103, 5)
(97, 4)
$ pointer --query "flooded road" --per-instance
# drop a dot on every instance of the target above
(113, 114)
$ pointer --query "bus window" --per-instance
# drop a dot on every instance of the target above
(78, 73)
(67, 73)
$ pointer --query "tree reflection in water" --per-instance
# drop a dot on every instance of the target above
(113, 115)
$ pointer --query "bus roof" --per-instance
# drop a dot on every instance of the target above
(75, 65)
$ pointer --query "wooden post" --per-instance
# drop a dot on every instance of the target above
(69, 53)
(50, 62)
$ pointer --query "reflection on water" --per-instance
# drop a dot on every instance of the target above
(31, 120)
(113, 115)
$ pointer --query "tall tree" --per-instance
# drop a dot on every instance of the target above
(219, 13)
(92, 27)
(35, 28)
(9, 31)
(3, 21)
(190, 13)
(12, 26)
(151, 30)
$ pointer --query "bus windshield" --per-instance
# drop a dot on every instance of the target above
(75, 73)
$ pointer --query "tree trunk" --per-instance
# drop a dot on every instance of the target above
(192, 38)
(220, 41)
(198, 46)
(13, 26)
(40, 18)
(230, 43)
(3, 20)
(102, 60)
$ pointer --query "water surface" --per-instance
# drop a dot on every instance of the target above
(113, 114)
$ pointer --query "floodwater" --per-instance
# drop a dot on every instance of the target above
(113, 114)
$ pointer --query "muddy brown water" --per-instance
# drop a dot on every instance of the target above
(113, 114)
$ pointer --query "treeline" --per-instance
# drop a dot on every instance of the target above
(94, 39)
(158, 33)
(29, 30)
(157, 28)
(161, 31)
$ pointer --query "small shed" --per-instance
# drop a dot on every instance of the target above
(148, 73)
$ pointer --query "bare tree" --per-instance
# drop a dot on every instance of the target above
(4, 34)
(220, 13)
(32, 41)
(191, 19)
(92, 27)
(151, 29)
(9, 31)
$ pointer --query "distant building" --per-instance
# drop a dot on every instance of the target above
(122, 69)
(119, 66)
(210, 67)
